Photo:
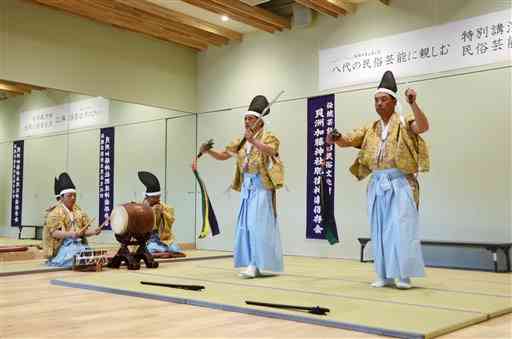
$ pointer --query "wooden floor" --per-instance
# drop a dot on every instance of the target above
(32, 308)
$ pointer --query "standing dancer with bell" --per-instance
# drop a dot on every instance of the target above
(257, 240)
(393, 152)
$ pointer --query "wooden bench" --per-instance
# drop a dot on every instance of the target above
(493, 247)
(38, 232)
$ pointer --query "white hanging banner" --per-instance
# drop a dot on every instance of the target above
(78, 114)
(477, 41)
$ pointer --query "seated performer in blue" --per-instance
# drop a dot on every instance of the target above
(392, 150)
(162, 238)
(257, 240)
(66, 227)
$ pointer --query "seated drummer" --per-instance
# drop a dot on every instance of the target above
(162, 238)
(66, 227)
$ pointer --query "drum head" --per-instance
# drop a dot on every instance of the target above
(119, 220)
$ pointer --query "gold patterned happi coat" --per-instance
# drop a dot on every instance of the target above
(164, 220)
(270, 170)
(403, 149)
(62, 219)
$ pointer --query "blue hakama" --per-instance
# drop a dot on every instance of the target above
(155, 245)
(393, 216)
(67, 251)
(257, 238)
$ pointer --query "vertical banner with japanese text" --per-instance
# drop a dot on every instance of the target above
(17, 182)
(106, 175)
(320, 123)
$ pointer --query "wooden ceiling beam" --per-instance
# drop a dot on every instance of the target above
(313, 5)
(256, 12)
(169, 14)
(222, 10)
(156, 21)
(8, 87)
(99, 12)
(21, 86)
(349, 7)
(329, 6)
(151, 23)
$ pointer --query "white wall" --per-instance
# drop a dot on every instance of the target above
(5, 184)
(83, 164)
(267, 63)
(222, 127)
(47, 159)
(466, 196)
(46, 47)
(140, 144)
(49, 48)
(181, 187)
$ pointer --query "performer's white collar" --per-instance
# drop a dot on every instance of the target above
(384, 133)
(69, 213)
(152, 194)
(248, 148)
(384, 129)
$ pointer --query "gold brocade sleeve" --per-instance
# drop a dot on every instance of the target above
(355, 138)
(166, 232)
(272, 141)
(54, 222)
(232, 146)
(422, 152)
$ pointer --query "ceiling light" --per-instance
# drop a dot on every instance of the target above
(224, 18)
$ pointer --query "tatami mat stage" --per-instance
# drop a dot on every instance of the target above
(444, 301)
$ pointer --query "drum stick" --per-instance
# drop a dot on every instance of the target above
(86, 226)
(104, 223)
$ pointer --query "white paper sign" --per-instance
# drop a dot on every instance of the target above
(482, 40)
(78, 114)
